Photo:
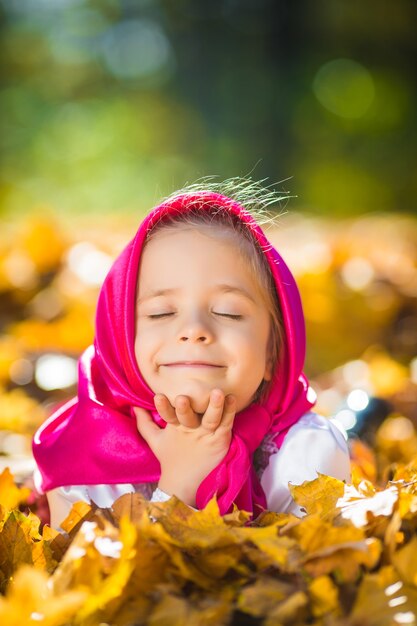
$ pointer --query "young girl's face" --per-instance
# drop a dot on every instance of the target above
(202, 322)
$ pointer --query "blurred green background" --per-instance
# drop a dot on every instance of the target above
(109, 104)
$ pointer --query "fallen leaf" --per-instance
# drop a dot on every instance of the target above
(384, 600)
(324, 596)
(11, 496)
(405, 562)
(319, 496)
(356, 505)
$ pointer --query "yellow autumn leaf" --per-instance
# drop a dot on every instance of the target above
(319, 495)
(30, 600)
(11, 495)
(363, 462)
(79, 512)
(114, 553)
(15, 546)
(384, 600)
(407, 472)
(313, 534)
(355, 505)
(342, 550)
(324, 596)
(405, 562)
(280, 551)
(345, 561)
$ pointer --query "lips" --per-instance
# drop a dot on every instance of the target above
(191, 364)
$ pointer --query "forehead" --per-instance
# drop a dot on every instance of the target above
(169, 245)
(210, 252)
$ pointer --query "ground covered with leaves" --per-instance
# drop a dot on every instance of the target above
(350, 561)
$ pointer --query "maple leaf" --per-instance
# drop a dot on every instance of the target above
(15, 545)
(358, 504)
(319, 495)
(11, 496)
(341, 550)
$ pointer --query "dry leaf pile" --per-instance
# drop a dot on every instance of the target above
(350, 561)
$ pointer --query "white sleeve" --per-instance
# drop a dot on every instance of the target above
(61, 499)
(60, 502)
(314, 445)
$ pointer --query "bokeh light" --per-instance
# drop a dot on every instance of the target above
(55, 371)
(344, 87)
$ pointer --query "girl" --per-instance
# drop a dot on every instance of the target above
(194, 385)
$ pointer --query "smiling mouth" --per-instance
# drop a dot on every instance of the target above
(191, 364)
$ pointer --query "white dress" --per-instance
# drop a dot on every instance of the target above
(315, 444)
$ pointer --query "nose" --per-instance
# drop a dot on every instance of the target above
(195, 329)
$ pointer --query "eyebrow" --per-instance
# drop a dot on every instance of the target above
(224, 288)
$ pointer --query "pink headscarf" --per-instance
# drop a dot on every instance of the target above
(93, 439)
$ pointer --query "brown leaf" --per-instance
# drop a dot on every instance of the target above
(177, 611)
(130, 505)
(260, 598)
(293, 610)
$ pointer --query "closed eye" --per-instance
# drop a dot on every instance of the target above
(230, 315)
(159, 315)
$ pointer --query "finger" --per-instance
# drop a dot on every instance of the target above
(146, 426)
(185, 414)
(229, 413)
(165, 409)
(213, 415)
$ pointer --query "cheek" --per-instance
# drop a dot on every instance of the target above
(150, 343)
(246, 345)
(250, 349)
(143, 346)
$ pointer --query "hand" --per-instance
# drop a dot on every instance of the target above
(187, 449)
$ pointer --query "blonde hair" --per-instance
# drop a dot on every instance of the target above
(230, 227)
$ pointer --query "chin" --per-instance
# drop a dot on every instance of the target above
(196, 391)
(199, 401)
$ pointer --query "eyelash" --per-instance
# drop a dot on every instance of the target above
(229, 315)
